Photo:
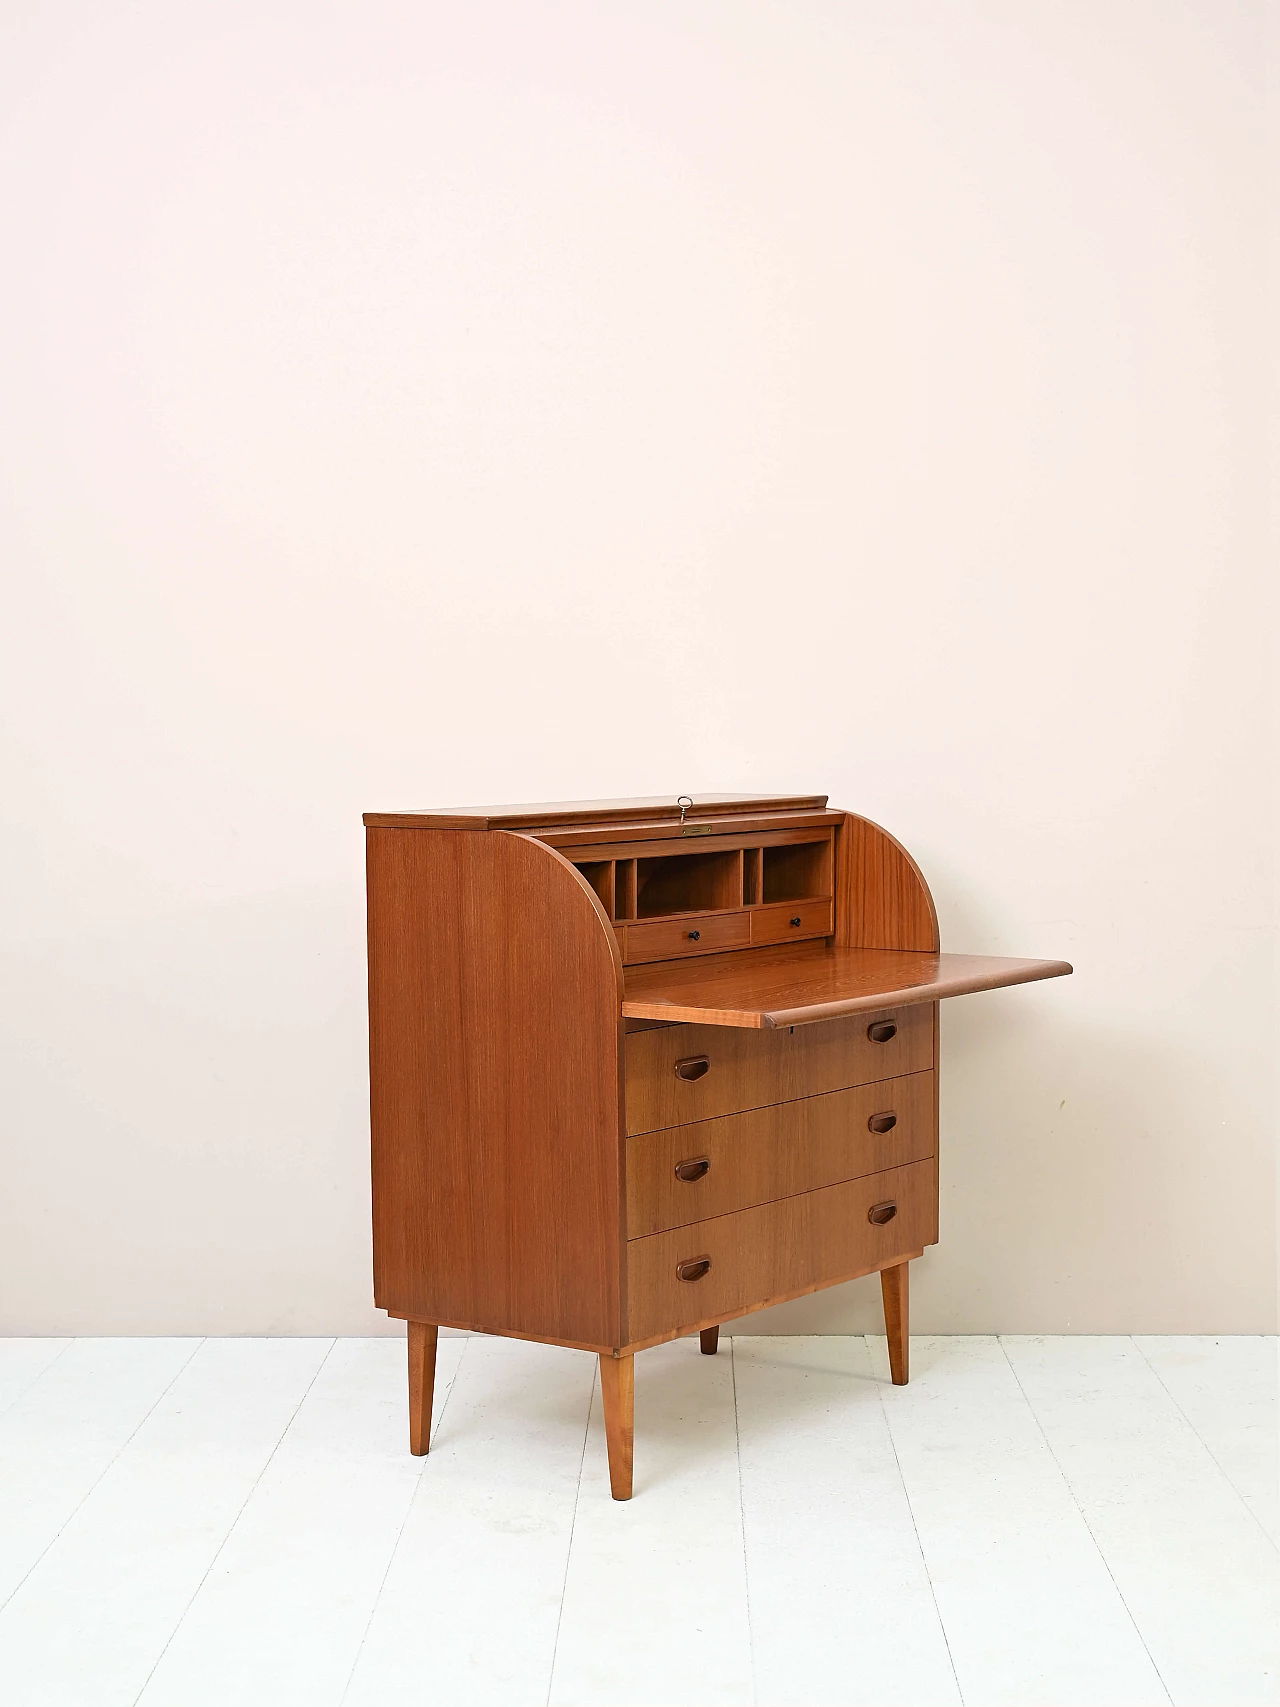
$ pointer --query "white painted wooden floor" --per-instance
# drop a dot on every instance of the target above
(1031, 1521)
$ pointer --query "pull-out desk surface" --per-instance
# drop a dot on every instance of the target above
(769, 988)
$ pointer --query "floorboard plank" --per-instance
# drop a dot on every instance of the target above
(1197, 1572)
(1227, 1390)
(280, 1617)
(1032, 1616)
(63, 1432)
(470, 1605)
(22, 1363)
(94, 1615)
(655, 1606)
(842, 1612)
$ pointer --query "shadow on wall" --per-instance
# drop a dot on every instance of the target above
(1088, 1185)
(187, 1105)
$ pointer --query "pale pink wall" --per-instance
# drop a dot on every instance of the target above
(418, 403)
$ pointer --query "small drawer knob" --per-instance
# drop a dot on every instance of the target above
(694, 936)
(796, 920)
(693, 1067)
(879, 1213)
(694, 1269)
(882, 1031)
(697, 1167)
(883, 1122)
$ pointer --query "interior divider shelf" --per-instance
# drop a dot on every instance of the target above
(753, 878)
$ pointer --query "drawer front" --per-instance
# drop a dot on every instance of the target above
(791, 921)
(778, 1248)
(713, 1167)
(666, 939)
(667, 1084)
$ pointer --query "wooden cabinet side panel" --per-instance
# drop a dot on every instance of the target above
(494, 1021)
(882, 899)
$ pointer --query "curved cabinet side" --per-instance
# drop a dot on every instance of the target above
(494, 1023)
(882, 899)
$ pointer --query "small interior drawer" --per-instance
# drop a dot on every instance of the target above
(791, 922)
(714, 1269)
(714, 1167)
(665, 939)
(680, 1073)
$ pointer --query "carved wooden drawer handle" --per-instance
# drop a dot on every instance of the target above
(882, 1031)
(879, 1213)
(697, 1167)
(883, 1122)
(694, 1269)
(693, 1067)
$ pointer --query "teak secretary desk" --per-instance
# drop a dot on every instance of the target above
(639, 1067)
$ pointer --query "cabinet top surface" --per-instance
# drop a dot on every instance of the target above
(659, 808)
(769, 988)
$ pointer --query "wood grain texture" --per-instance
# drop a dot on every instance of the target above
(653, 841)
(422, 1338)
(752, 876)
(720, 1318)
(897, 1326)
(936, 1011)
(695, 934)
(750, 827)
(772, 987)
(494, 986)
(617, 1389)
(624, 889)
(776, 1248)
(642, 809)
(775, 1152)
(753, 1069)
(791, 921)
(882, 899)
(593, 1346)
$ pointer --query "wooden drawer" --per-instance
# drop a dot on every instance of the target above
(665, 939)
(778, 1249)
(743, 1159)
(791, 921)
(751, 1069)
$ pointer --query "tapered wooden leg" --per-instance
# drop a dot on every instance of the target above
(709, 1339)
(618, 1384)
(422, 1384)
(893, 1286)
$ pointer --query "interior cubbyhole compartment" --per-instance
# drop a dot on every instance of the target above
(624, 889)
(751, 881)
(797, 871)
(688, 883)
(599, 874)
